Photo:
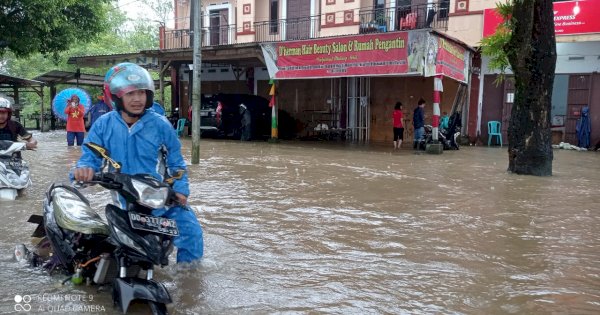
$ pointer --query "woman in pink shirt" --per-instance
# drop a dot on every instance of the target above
(75, 124)
(398, 127)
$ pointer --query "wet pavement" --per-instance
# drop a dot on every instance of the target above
(318, 227)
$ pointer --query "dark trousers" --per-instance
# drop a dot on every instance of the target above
(71, 135)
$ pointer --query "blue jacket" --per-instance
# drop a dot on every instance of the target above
(157, 108)
(98, 110)
(418, 118)
(140, 148)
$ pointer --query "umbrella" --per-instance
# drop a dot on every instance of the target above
(583, 128)
(60, 101)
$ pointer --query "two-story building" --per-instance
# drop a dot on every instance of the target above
(327, 86)
(342, 63)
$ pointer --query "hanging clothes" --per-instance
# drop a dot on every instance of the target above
(583, 128)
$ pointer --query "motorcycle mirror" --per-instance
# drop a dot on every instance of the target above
(102, 152)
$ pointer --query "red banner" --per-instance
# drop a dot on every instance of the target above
(452, 60)
(570, 18)
(365, 55)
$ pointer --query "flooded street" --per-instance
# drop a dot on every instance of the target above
(309, 227)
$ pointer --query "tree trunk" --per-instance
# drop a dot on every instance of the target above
(532, 56)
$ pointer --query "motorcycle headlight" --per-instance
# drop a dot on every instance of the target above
(149, 196)
(126, 240)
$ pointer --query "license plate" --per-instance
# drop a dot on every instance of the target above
(153, 224)
(203, 114)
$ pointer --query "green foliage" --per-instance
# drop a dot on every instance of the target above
(119, 35)
(163, 9)
(49, 26)
(496, 46)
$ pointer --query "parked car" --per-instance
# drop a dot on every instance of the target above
(221, 116)
(208, 119)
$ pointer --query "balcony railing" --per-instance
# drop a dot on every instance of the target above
(371, 20)
(289, 29)
(404, 18)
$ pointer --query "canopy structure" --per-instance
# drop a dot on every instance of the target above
(55, 77)
(107, 61)
(12, 86)
(10, 82)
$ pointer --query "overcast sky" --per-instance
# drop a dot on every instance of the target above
(136, 9)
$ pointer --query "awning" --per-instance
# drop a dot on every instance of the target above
(108, 61)
(56, 77)
(238, 55)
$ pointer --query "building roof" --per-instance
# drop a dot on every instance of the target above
(55, 77)
(107, 61)
(8, 81)
(240, 55)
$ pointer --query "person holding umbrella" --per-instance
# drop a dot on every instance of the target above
(75, 124)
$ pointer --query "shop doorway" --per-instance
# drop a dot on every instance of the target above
(358, 108)
(219, 27)
(298, 20)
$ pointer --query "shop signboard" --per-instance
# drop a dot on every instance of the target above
(394, 53)
(570, 18)
(365, 55)
(447, 58)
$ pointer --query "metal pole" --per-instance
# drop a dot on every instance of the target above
(161, 83)
(196, 83)
(42, 114)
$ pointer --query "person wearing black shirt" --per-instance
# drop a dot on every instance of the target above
(12, 130)
(419, 122)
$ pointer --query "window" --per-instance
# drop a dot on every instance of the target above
(444, 9)
(274, 17)
(379, 15)
(379, 4)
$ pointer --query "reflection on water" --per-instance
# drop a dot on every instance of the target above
(335, 228)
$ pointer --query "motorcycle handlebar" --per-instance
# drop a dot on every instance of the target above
(107, 180)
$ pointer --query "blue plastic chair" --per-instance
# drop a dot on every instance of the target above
(180, 126)
(494, 130)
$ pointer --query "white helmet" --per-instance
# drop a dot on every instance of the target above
(6, 104)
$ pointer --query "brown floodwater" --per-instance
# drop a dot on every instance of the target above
(318, 227)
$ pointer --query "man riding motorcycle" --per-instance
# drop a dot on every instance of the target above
(12, 130)
(144, 143)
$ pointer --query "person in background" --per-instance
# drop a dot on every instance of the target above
(97, 110)
(245, 123)
(157, 108)
(419, 122)
(75, 123)
(398, 127)
(12, 130)
(444, 121)
(144, 143)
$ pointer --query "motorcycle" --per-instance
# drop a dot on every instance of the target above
(447, 137)
(117, 251)
(14, 172)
